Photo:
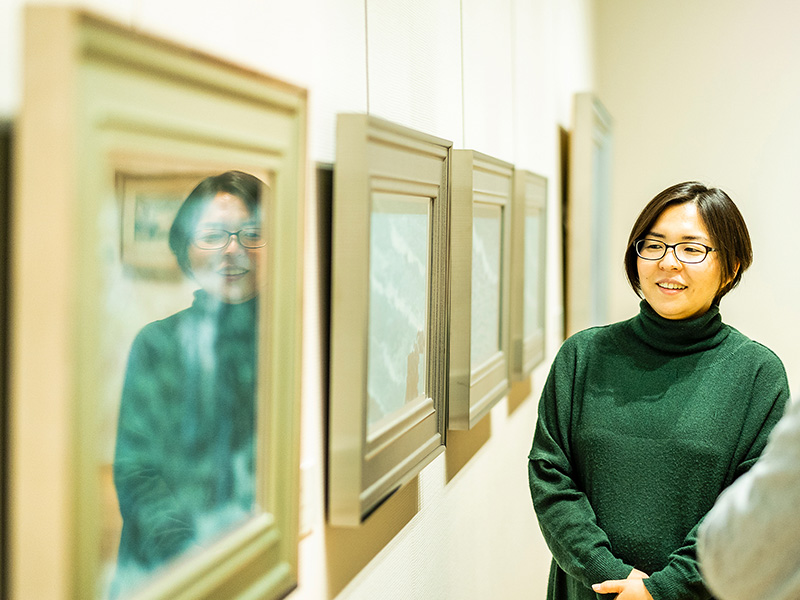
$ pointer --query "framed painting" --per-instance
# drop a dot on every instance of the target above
(481, 206)
(528, 272)
(389, 312)
(587, 215)
(162, 447)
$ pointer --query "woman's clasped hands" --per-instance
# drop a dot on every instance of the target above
(632, 588)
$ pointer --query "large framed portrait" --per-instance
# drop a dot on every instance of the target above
(156, 352)
(389, 312)
(481, 206)
(528, 272)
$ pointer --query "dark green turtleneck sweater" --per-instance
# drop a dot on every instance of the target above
(184, 462)
(641, 425)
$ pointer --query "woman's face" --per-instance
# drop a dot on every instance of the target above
(673, 289)
(229, 274)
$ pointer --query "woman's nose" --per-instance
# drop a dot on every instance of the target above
(233, 247)
(670, 261)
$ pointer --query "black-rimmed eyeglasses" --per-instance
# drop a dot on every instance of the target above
(217, 239)
(686, 252)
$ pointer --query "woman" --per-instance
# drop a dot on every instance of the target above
(184, 463)
(644, 422)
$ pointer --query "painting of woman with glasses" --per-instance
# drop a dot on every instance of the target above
(643, 423)
(184, 458)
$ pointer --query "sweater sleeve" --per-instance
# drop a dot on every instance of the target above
(749, 543)
(567, 520)
(681, 578)
(157, 525)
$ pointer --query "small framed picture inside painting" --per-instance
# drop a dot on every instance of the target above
(149, 205)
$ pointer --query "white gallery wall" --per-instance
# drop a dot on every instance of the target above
(710, 90)
(497, 77)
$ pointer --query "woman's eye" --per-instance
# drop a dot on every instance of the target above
(693, 250)
(251, 235)
(210, 237)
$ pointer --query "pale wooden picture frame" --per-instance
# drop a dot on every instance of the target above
(588, 214)
(528, 272)
(369, 459)
(100, 100)
(478, 381)
(5, 203)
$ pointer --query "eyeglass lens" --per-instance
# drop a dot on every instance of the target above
(686, 252)
(214, 239)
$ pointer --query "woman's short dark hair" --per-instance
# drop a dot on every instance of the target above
(722, 219)
(248, 188)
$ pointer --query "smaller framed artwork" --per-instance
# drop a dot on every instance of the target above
(389, 312)
(587, 216)
(481, 201)
(528, 271)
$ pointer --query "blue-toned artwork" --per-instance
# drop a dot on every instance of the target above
(398, 302)
(153, 216)
(530, 292)
(487, 236)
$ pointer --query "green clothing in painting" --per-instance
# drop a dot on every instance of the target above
(184, 462)
(641, 425)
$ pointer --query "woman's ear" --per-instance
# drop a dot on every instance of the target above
(731, 278)
(735, 271)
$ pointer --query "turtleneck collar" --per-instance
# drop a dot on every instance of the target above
(232, 317)
(684, 336)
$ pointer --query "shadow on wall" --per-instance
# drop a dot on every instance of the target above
(350, 549)
(563, 139)
(520, 391)
(462, 446)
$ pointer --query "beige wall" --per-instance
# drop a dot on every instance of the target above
(495, 77)
(710, 90)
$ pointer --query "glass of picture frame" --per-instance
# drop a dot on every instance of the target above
(528, 272)
(389, 312)
(170, 405)
(481, 206)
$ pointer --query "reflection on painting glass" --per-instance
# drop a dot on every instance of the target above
(398, 302)
(530, 292)
(184, 461)
(486, 263)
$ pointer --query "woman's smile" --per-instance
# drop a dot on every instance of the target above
(671, 286)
